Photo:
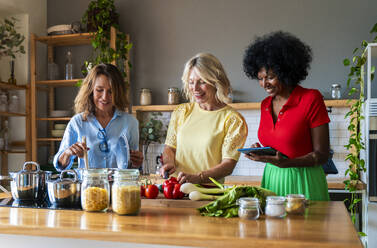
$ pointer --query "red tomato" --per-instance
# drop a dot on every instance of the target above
(151, 191)
(142, 190)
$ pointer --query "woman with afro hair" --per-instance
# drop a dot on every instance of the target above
(294, 119)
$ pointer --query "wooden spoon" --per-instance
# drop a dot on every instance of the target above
(85, 153)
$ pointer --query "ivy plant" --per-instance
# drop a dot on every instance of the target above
(10, 39)
(152, 130)
(356, 86)
(100, 16)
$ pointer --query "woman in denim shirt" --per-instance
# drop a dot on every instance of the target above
(112, 135)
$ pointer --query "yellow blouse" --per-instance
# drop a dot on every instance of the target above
(202, 139)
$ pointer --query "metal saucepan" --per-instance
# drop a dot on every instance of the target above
(65, 192)
(28, 184)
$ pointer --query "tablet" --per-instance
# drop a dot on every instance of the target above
(259, 151)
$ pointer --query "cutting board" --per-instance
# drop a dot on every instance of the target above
(161, 201)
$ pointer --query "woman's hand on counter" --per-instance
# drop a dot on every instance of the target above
(136, 158)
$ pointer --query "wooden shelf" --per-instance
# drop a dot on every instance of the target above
(66, 40)
(12, 114)
(58, 83)
(238, 106)
(48, 139)
(54, 118)
(8, 86)
(13, 151)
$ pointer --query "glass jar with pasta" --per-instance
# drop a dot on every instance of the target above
(95, 190)
(125, 192)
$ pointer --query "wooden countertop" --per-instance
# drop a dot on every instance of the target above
(333, 183)
(325, 224)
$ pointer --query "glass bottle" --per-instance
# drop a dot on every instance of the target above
(295, 204)
(275, 206)
(3, 102)
(52, 70)
(68, 66)
(248, 208)
(173, 96)
(13, 104)
(5, 135)
(125, 192)
(335, 91)
(95, 190)
(145, 96)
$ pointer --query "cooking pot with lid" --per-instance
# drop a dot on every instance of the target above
(25, 184)
(65, 192)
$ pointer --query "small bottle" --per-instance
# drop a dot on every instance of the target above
(68, 66)
(52, 70)
(173, 96)
(295, 204)
(13, 104)
(248, 208)
(275, 206)
(3, 102)
(145, 96)
(335, 91)
(5, 135)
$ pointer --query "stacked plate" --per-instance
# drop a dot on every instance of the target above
(58, 132)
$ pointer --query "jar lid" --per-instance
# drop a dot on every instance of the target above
(145, 90)
(248, 201)
(130, 174)
(173, 89)
(335, 86)
(275, 199)
(95, 173)
(296, 196)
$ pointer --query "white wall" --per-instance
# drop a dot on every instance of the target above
(32, 18)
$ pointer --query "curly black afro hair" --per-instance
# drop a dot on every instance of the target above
(287, 56)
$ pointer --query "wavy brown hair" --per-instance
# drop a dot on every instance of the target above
(84, 100)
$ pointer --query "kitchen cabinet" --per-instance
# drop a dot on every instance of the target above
(48, 86)
(21, 147)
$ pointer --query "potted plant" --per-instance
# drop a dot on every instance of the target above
(100, 16)
(10, 39)
(355, 83)
(10, 43)
(151, 130)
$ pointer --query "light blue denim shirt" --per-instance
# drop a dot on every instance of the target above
(122, 135)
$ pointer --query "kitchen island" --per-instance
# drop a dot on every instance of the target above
(325, 224)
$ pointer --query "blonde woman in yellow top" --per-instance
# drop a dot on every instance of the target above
(204, 135)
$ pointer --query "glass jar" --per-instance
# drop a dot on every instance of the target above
(13, 104)
(95, 190)
(145, 96)
(248, 208)
(275, 206)
(3, 102)
(125, 192)
(173, 96)
(335, 91)
(295, 204)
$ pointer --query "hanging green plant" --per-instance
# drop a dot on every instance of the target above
(10, 39)
(356, 85)
(100, 16)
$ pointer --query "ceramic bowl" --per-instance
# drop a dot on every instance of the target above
(57, 133)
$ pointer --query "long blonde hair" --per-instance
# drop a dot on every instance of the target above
(84, 100)
(211, 71)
